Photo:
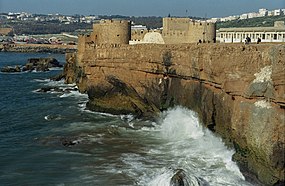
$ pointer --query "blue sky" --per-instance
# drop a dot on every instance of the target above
(201, 8)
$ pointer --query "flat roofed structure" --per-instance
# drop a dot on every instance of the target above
(265, 34)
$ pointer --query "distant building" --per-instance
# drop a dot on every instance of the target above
(266, 34)
(263, 12)
(277, 12)
(243, 16)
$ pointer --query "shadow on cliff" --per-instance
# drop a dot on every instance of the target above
(119, 98)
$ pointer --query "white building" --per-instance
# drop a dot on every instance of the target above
(138, 27)
(243, 16)
(263, 12)
(277, 12)
(253, 15)
(266, 34)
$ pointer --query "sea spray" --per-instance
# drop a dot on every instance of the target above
(194, 149)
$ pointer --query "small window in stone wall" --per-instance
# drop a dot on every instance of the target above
(118, 35)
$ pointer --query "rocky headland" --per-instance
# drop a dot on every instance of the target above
(237, 90)
(37, 48)
(34, 64)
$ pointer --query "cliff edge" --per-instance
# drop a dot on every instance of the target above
(237, 90)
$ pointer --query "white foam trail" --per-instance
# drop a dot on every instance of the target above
(73, 93)
(181, 123)
(189, 146)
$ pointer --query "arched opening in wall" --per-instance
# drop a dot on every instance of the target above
(275, 36)
(118, 35)
(96, 36)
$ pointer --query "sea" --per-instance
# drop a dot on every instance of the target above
(51, 138)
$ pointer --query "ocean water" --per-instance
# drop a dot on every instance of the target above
(106, 149)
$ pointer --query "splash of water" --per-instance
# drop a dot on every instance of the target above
(195, 149)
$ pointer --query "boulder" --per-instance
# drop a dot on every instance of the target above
(10, 69)
(181, 178)
(41, 64)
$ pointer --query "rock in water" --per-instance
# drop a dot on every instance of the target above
(41, 64)
(10, 69)
(179, 179)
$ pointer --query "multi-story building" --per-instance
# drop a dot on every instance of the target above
(265, 34)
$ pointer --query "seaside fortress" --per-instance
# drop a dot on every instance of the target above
(266, 34)
(175, 31)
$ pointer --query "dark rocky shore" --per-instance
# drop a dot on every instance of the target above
(37, 48)
(37, 64)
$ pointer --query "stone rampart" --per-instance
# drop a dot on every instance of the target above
(185, 30)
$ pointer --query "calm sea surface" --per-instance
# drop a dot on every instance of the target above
(107, 150)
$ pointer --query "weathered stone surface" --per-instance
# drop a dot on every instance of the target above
(119, 98)
(237, 90)
(41, 64)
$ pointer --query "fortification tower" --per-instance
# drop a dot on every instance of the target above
(112, 32)
(185, 30)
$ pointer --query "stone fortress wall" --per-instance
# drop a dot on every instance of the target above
(175, 31)
(185, 30)
(112, 31)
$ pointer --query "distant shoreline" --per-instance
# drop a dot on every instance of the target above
(40, 48)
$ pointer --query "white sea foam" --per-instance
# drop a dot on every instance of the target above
(73, 93)
(185, 144)
(71, 153)
(52, 117)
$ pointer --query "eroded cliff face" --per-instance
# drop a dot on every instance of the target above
(237, 90)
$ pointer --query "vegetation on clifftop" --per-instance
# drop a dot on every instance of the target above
(267, 21)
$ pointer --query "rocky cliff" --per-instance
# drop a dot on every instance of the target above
(237, 90)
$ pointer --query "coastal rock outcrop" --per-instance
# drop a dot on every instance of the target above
(237, 91)
(119, 98)
(37, 64)
(41, 64)
(11, 69)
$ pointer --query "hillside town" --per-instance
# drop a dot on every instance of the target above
(261, 13)
(83, 23)
(68, 19)
(24, 16)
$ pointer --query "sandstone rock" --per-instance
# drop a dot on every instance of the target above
(119, 98)
(237, 93)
